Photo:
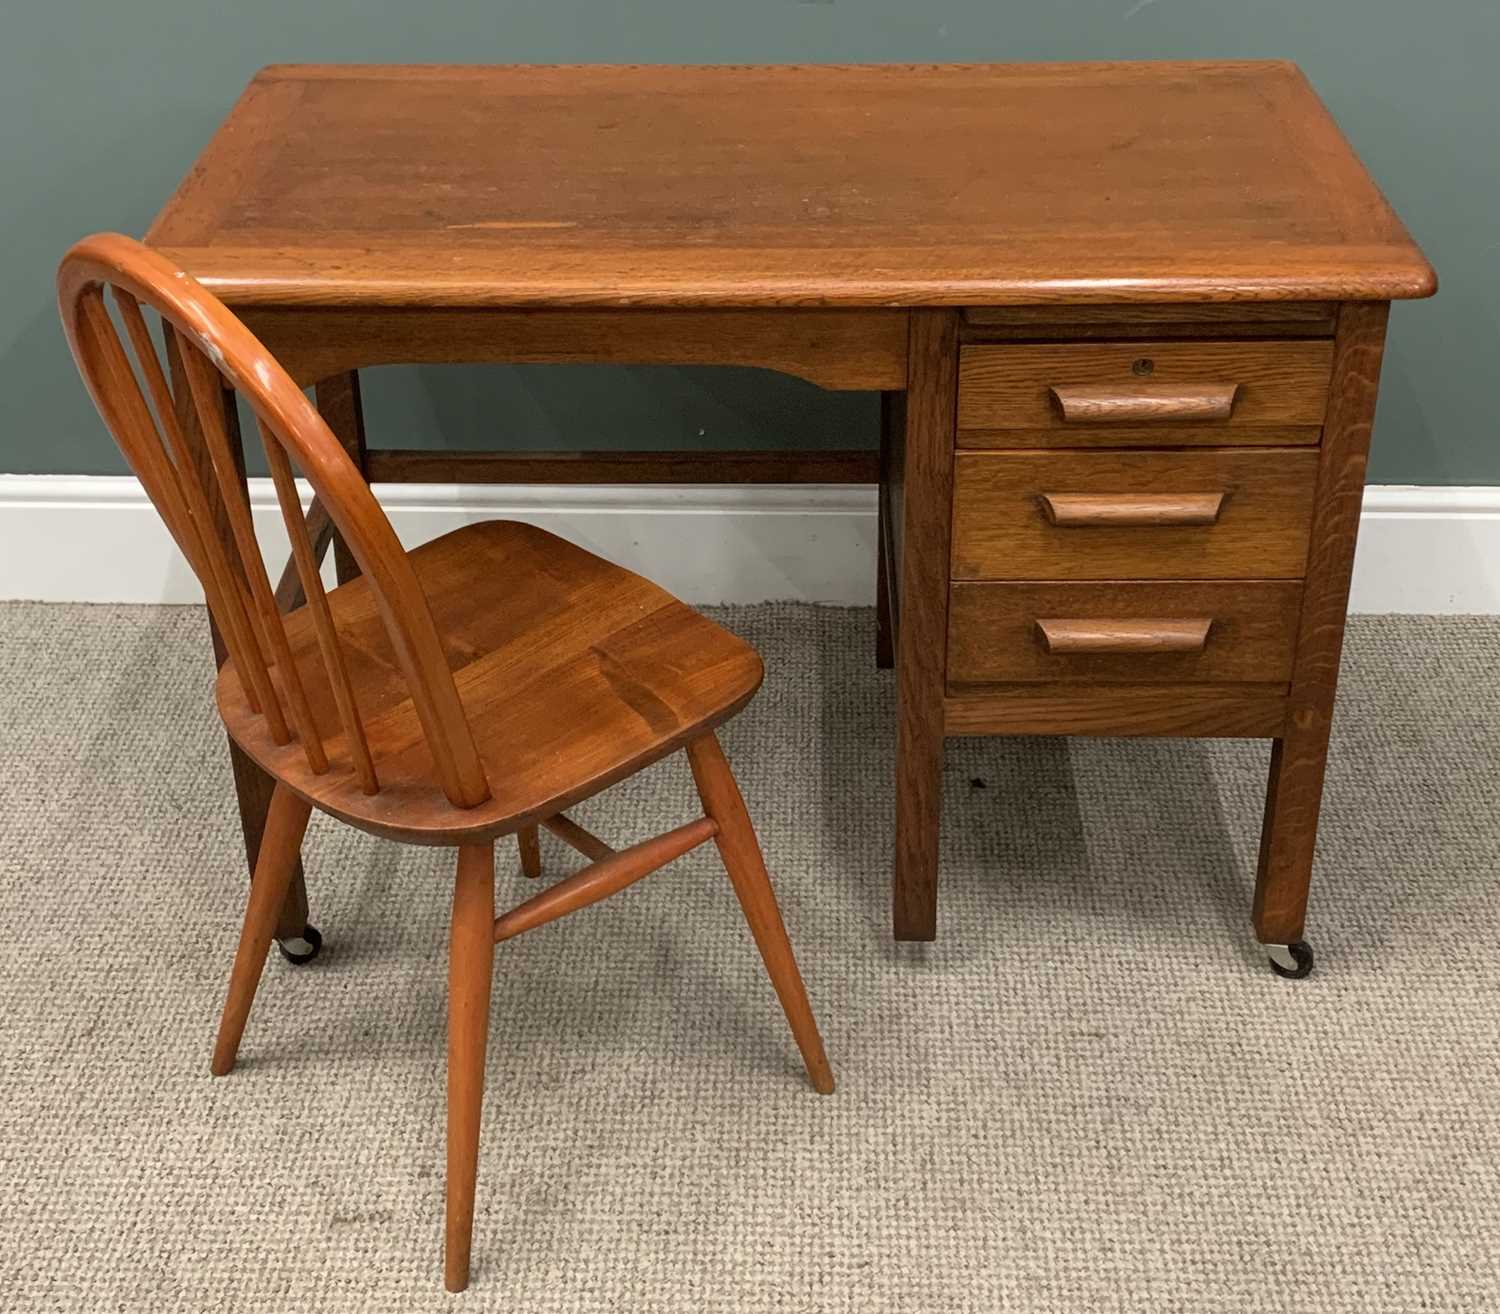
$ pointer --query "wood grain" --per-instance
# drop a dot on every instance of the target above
(253, 791)
(1201, 710)
(471, 957)
(1014, 386)
(1130, 510)
(699, 467)
(926, 465)
(1277, 319)
(528, 844)
(1072, 637)
(1001, 528)
(746, 867)
(838, 349)
(276, 863)
(204, 330)
(339, 403)
(330, 650)
(174, 466)
(1160, 437)
(605, 876)
(576, 837)
(996, 631)
(887, 572)
(319, 530)
(253, 787)
(893, 185)
(1299, 758)
(1144, 403)
(572, 672)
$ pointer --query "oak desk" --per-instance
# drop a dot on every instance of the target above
(1127, 320)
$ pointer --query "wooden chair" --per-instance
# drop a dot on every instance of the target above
(471, 689)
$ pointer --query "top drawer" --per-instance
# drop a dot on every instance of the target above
(1088, 394)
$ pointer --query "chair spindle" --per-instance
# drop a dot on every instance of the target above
(317, 602)
(205, 384)
(184, 507)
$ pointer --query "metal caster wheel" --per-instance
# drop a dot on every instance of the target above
(1293, 961)
(299, 949)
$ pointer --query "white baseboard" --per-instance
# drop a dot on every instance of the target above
(1428, 551)
(67, 538)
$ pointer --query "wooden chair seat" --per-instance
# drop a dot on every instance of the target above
(573, 673)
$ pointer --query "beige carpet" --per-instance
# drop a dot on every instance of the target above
(1090, 1094)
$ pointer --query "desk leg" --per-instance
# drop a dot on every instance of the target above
(1295, 791)
(892, 415)
(340, 406)
(253, 787)
(885, 650)
(922, 632)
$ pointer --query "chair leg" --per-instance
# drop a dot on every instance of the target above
(281, 842)
(471, 957)
(531, 851)
(740, 850)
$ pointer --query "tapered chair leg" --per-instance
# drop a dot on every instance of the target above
(281, 842)
(471, 957)
(531, 851)
(740, 850)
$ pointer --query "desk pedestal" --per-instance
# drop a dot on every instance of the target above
(1127, 521)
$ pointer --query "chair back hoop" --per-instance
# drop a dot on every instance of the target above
(183, 444)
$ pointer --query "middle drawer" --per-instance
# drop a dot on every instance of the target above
(1221, 513)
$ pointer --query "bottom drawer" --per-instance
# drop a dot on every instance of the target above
(1123, 632)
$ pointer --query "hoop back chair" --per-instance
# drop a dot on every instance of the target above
(470, 689)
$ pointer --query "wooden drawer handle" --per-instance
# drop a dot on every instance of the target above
(1089, 510)
(1124, 636)
(1145, 402)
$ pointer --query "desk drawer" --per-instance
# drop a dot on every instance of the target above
(1087, 394)
(1127, 633)
(1220, 514)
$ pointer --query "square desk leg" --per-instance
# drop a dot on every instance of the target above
(1294, 792)
(340, 406)
(926, 499)
(892, 441)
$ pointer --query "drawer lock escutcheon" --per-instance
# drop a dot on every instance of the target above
(1144, 403)
(1124, 510)
(1123, 636)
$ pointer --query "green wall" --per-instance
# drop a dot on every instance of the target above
(105, 104)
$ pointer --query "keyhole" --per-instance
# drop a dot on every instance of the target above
(1143, 366)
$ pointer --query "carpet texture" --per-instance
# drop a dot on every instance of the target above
(1090, 1094)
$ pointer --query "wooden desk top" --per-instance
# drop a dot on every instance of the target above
(891, 185)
